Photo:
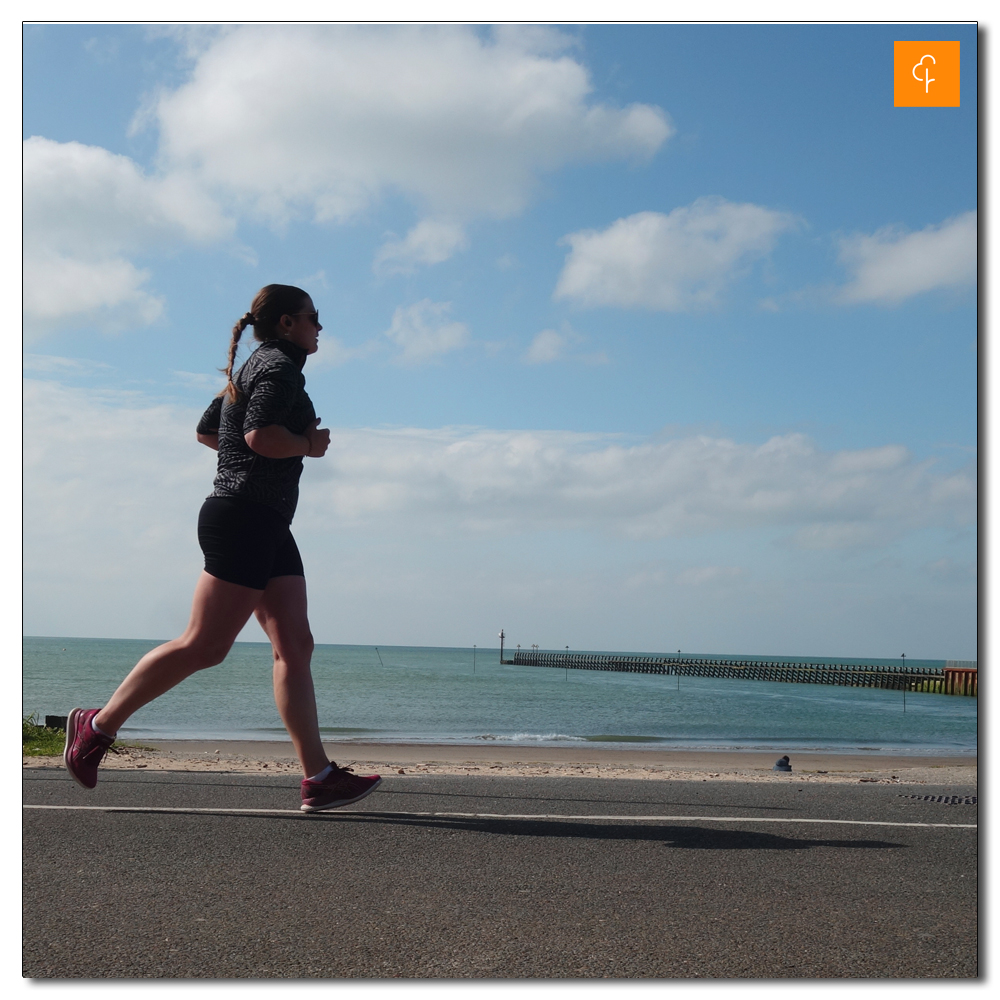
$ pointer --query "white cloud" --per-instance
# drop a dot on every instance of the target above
(673, 262)
(552, 345)
(327, 119)
(430, 241)
(76, 194)
(948, 570)
(53, 365)
(85, 212)
(93, 453)
(546, 347)
(110, 291)
(892, 265)
(423, 331)
(840, 535)
(209, 384)
(90, 451)
(701, 576)
(512, 481)
(400, 528)
(317, 279)
(461, 121)
(112, 487)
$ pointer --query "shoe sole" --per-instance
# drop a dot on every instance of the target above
(340, 802)
(71, 730)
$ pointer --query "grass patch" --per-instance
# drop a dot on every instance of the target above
(41, 741)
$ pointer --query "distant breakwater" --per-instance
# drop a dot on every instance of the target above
(943, 680)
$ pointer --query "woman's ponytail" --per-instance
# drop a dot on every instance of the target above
(231, 392)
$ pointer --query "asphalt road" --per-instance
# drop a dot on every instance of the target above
(381, 892)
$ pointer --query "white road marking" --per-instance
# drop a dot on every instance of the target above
(519, 816)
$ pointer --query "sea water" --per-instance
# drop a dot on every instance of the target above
(452, 695)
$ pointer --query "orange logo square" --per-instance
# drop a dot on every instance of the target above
(925, 74)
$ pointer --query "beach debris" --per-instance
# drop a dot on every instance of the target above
(400, 771)
(782, 764)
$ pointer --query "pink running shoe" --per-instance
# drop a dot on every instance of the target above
(85, 747)
(339, 788)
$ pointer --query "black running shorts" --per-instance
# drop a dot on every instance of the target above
(246, 542)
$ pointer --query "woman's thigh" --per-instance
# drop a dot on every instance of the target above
(219, 611)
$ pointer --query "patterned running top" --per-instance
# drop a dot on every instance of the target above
(271, 391)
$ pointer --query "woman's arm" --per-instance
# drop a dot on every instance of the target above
(208, 427)
(277, 441)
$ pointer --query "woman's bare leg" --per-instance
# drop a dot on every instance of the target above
(283, 616)
(218, 613)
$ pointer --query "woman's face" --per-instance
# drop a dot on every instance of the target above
(302, 328)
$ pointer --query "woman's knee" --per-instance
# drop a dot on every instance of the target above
(294, 650)
(207, 653)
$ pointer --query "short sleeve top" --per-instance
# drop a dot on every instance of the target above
(271, 391)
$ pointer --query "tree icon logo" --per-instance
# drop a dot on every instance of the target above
(926, 74)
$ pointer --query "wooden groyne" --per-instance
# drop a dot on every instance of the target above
(960, 681)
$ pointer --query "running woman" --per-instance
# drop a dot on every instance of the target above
(262, 425)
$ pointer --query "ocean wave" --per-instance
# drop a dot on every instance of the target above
(613, 738)
(531, 738)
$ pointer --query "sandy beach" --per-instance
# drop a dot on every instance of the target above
(260, 757)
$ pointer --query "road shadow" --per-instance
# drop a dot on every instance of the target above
(684, 837)
(677, 836)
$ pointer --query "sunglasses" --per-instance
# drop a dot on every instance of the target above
(314, 316)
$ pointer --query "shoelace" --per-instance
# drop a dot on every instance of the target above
(96, 753)
(337, 770)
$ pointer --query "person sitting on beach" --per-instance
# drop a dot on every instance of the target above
(262, 425)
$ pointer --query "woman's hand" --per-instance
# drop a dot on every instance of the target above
(277, 441)
(319, 440)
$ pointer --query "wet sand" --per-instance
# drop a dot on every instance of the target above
(590, 761)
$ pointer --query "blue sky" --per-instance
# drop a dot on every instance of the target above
(636, 337)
